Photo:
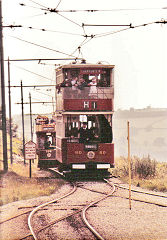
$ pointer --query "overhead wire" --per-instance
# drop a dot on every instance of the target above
(23, 5)
(35, 44)
(31, 72)
(125, 29)
(69, 20)
(58, 4)
(43, 93)
(103, 10)
(37, 3)
(47, 30)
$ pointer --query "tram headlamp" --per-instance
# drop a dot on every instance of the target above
(90, 154)
(78, 166)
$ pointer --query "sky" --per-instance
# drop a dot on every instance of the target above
(139, 54)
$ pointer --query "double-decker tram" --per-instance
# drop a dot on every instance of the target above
(46, 141)
(84, 110)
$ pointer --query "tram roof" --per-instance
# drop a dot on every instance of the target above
(86, 65)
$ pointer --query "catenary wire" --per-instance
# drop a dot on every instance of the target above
(37, 3)
(35, 44)
(31, 72)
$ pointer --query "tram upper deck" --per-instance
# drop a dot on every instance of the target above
(85, 87)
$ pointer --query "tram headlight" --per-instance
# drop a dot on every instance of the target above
(90, 154)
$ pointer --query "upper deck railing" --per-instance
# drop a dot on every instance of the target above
(86, 93)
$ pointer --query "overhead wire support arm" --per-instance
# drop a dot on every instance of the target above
(34, 86)
(163, 21)
(11, 26)
(34, 102)
(43, 59)
(106, 25)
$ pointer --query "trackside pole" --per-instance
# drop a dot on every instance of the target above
(30, 169)
(129, 161)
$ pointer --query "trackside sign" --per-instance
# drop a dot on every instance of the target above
(30, 150)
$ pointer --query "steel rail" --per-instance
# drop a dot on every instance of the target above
(137, 191)
(90, 205)
(43, 205)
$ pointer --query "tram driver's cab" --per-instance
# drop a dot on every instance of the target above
(89, 128)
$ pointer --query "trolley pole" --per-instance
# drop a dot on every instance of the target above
(22, 107)
(129, 161)
(2, 100)
(10, 114)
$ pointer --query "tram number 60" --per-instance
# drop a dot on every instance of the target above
(102, 152)
(78, 152)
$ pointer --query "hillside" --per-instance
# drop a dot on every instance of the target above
(148, 132)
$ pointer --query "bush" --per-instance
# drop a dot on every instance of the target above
(142, 168)
(145, 167)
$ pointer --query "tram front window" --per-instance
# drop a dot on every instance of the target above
(85, 129)
(49, 141)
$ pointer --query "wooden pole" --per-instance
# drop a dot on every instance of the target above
(129, 161)
(2, 100)
(22, 107)
(10, 115)
(30, 169)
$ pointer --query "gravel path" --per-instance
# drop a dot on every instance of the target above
(112, 217)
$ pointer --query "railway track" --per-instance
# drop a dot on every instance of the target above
(90, 205)
(77, 210)
(82, 210)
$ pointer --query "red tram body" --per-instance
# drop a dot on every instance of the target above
(82, 138)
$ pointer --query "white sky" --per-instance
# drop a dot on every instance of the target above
(139, 55)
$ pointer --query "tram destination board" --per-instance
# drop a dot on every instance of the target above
(30, 150)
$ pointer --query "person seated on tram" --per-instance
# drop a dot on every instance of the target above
(84, 133)
(94, 134)
(47, 144)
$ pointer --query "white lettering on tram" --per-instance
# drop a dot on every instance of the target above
(86, 104)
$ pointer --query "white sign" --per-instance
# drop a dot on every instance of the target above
(30, 150)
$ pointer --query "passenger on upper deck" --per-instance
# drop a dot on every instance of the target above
(82, 83)
(81, 86)
(93, 88)
(65, 83)
(74, 83)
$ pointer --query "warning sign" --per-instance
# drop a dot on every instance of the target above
(30, 150)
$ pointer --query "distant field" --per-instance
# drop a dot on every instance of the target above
(148, 134)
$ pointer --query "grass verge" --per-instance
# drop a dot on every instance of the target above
(15, 185)
(146, 173)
